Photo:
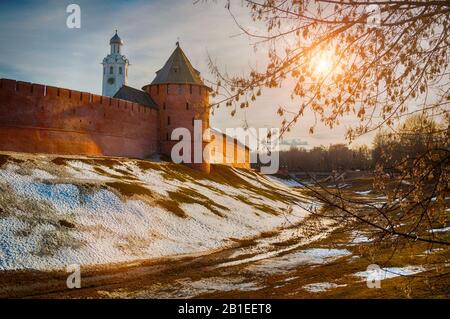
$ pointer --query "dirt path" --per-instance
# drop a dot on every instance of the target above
(299, 261)
(183, 276)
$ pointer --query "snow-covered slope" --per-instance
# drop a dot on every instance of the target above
(57, 211)
(285, 181)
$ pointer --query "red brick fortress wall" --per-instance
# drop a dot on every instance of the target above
(228, 151)
(42, 119)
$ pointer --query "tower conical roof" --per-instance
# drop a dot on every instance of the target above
(116, 39)
(178, 70)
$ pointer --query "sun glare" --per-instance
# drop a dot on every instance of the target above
(324, 65)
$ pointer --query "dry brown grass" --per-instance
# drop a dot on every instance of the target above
(3, 159)
(129, 190)
(171, 206)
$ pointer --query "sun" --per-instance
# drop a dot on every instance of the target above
(323, 66)
(322, 63)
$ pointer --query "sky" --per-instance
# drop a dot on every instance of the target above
(37, 46)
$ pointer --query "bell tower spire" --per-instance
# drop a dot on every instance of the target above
(115, 68)
(116, 43)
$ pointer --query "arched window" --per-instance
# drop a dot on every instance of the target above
(187, 106)
(111, 70)
(168, 120)
(120, 70)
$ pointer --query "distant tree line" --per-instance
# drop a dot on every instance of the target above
(418, 142)
(391, 152)
(326, 159)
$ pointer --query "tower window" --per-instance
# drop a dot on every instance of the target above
(120, 70)
(167, 136)
(187, 106)
(164, 106)
(111, 70)
(168, 120)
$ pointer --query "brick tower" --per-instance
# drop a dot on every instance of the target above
(182, 97)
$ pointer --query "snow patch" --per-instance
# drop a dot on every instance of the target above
(359, 238)
(389, 272)
(363, 192)
(439, 230)
(321, 286)
(286, 182)
(291, 261)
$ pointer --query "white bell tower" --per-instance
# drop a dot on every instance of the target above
(115, 68)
